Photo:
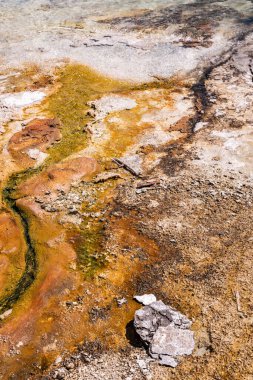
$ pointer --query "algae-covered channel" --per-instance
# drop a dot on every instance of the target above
(30, 270)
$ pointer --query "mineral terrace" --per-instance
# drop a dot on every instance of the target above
(126, 170)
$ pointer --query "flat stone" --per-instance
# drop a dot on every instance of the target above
(168, 361)
(134, 161)
(172, 341)
(111, 103)
(22, 99)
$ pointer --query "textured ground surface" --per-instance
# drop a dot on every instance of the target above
(166, 88)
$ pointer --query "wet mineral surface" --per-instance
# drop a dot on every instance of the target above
(125, 168)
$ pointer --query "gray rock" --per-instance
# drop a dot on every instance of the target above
(165, 331)
(168, 361)
(172, 341)
(134, 161)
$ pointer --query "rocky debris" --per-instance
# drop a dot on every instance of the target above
(60, 373)
(69, 203)
(133, 364)
(74, 304)
(143, 364)
(164, 330)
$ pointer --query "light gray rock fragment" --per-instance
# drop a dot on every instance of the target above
(168, 361)
(146, 299)
(134, 161)
(165, 331)
(22, 99)
(109, 104)
(172, 341)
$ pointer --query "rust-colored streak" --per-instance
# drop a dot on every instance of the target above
(38, 134)
(12, 249)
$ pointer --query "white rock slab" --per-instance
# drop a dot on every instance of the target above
(22, 99)
(145, 299)
(109, 104)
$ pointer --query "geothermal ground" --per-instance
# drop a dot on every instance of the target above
(126, 156)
